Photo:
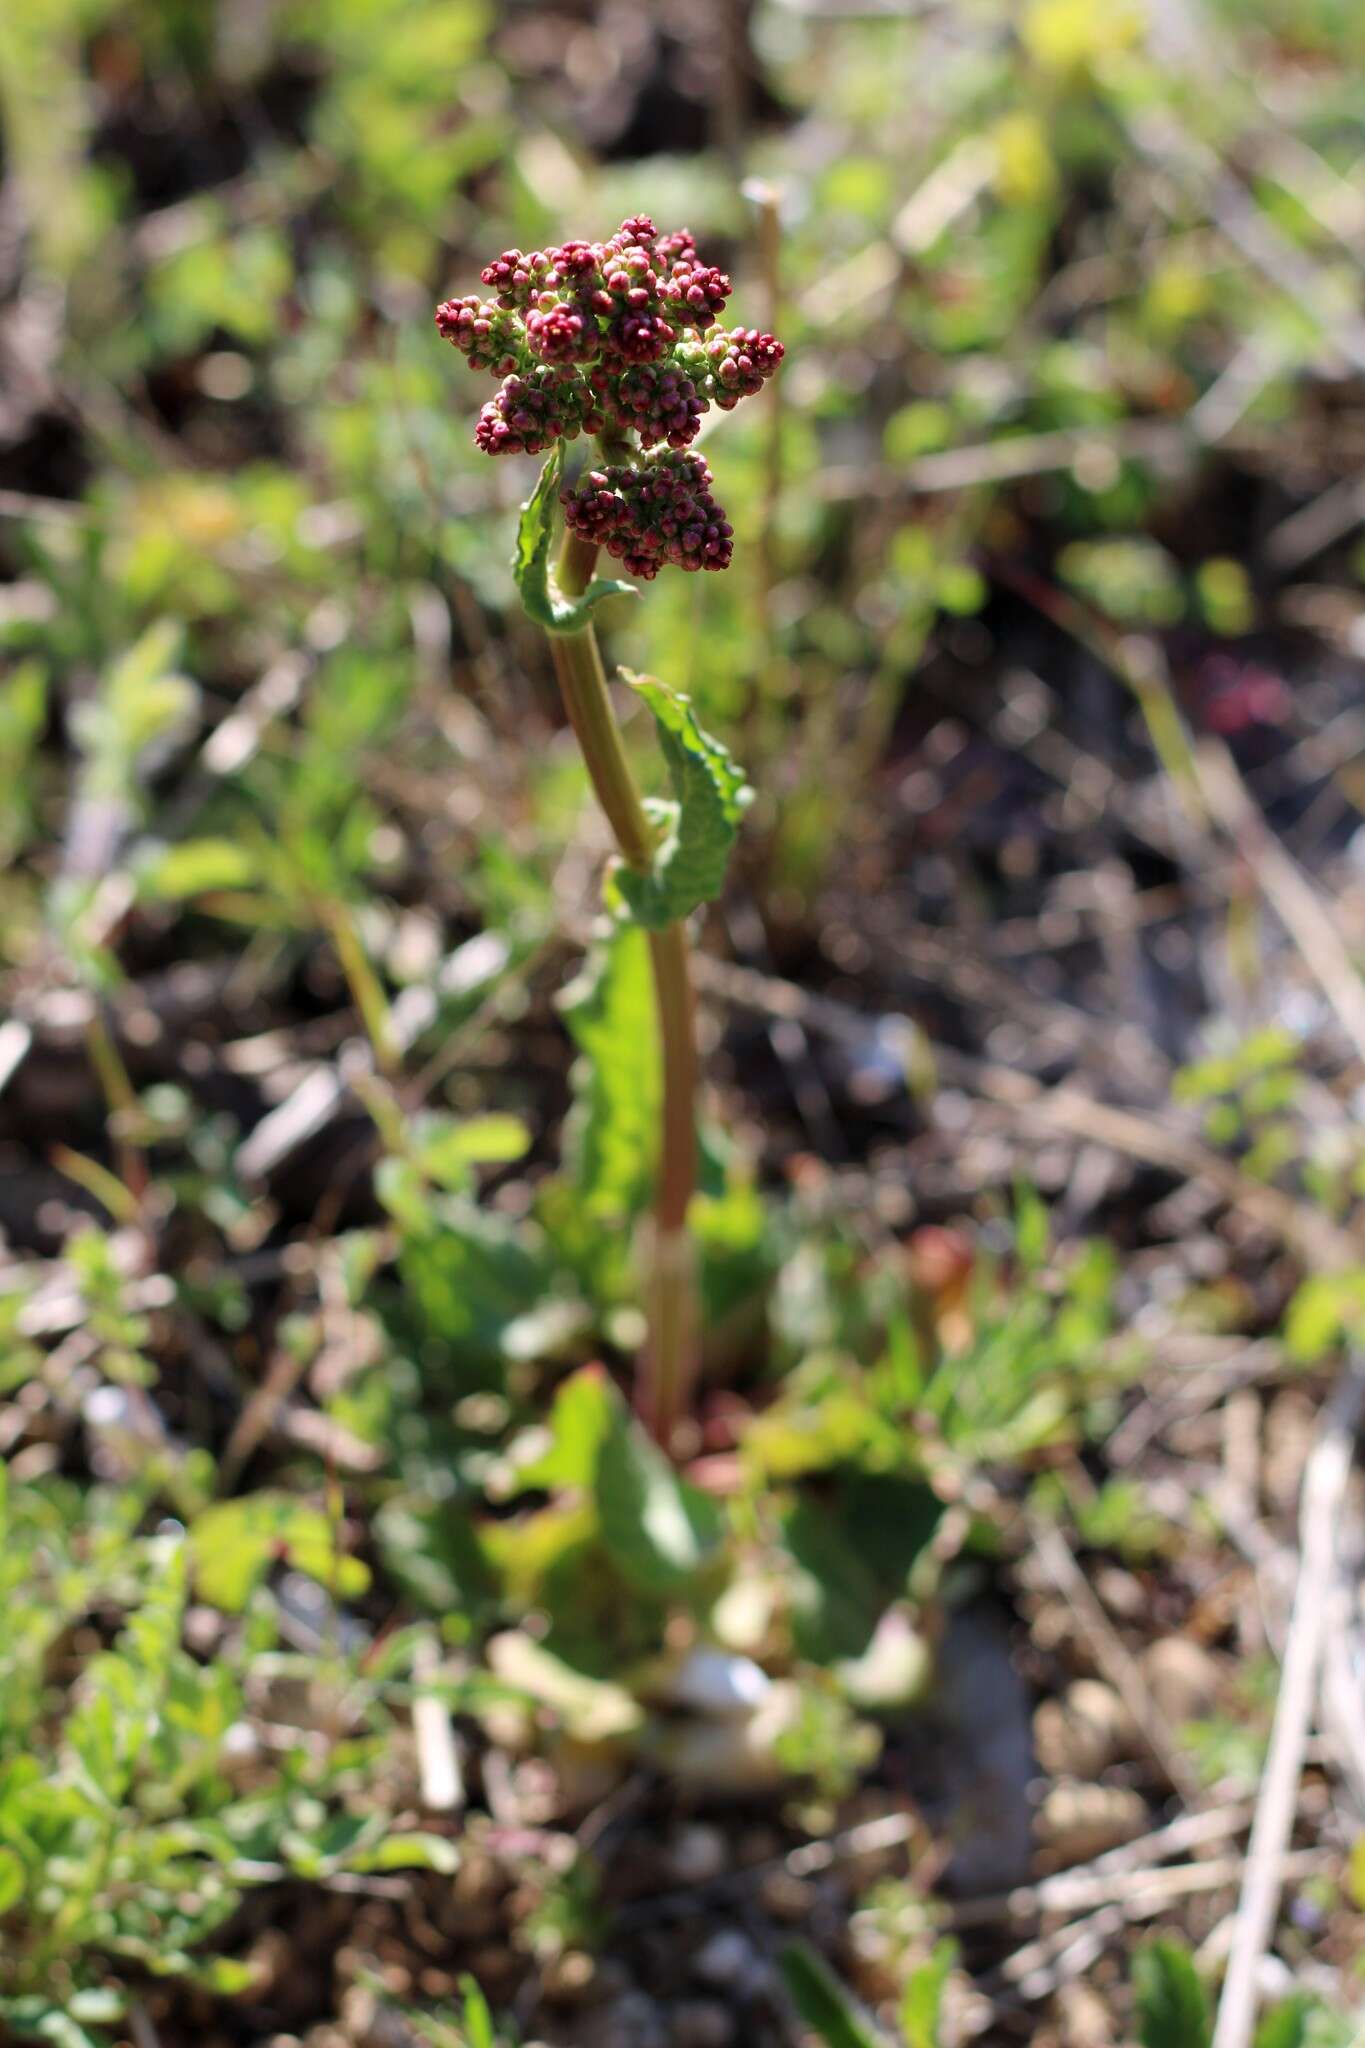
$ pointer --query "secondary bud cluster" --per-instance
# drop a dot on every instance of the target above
(533, 411)
(661, 512)
(623, 334)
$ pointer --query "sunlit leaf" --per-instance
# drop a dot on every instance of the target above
(698, 827)
(660, 1531)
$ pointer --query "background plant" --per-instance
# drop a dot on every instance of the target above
(1027, 1209)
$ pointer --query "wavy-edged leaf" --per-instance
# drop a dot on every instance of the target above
(612, 1137)
(540, 595)
(710, 795)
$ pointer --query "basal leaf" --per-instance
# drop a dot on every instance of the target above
(660, 1531)
(612, 1138)
(710, 796)
(540, 595)
(468, 1276)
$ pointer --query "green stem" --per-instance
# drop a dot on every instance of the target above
(671, 1359)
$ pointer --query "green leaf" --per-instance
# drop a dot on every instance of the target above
(660, 1531)
(1172, 2009)
(169, 873)
(36, 2018)
(140, 707)
(416, 1851)
(226, 1976)
(922, 2004)
(836, 1598)
(853, 1556)
(612, 1136)
(1328, 1309)
(478, 2020)
(235, 1542)
(823, 2002)
(470, 1275)
(432, 1549)
(446, 1147)
(540, 596)
(580, 1422)
(11, 1880)
(1289, 2024)
(698, 827)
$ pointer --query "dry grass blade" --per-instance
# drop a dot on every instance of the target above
(1324, 1488)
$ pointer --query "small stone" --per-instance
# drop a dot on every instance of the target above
(1121, 1592)
(634, 2021)
(701, 2023)
(786, 1897)
(1083, 1732)
(1085, 2021)
(1077, 1821)
(1183, 1677)
(569, 1977)
(726, 1959)
(696, 1854)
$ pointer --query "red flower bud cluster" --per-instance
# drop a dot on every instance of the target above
(741, 363)
(661, 512)
(548, 403)
(487, 335)
(623, 334)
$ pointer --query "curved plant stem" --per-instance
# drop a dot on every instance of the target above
(671, 1359)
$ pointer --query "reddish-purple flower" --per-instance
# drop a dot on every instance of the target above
(662, 512)
(558, 334)
(657, 401)
(530, 413)
(516, 278)
(624, 336)
(485, 334)
(696, 293)
(741, 363)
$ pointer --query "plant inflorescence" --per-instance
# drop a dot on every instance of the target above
(625, 339)
(622, 338)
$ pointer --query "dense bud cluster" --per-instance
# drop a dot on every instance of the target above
(742, 362)
(484, 333)
(661, 512)
(628, 330)
(533, 411)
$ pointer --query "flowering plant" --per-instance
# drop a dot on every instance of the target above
(624, 340)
